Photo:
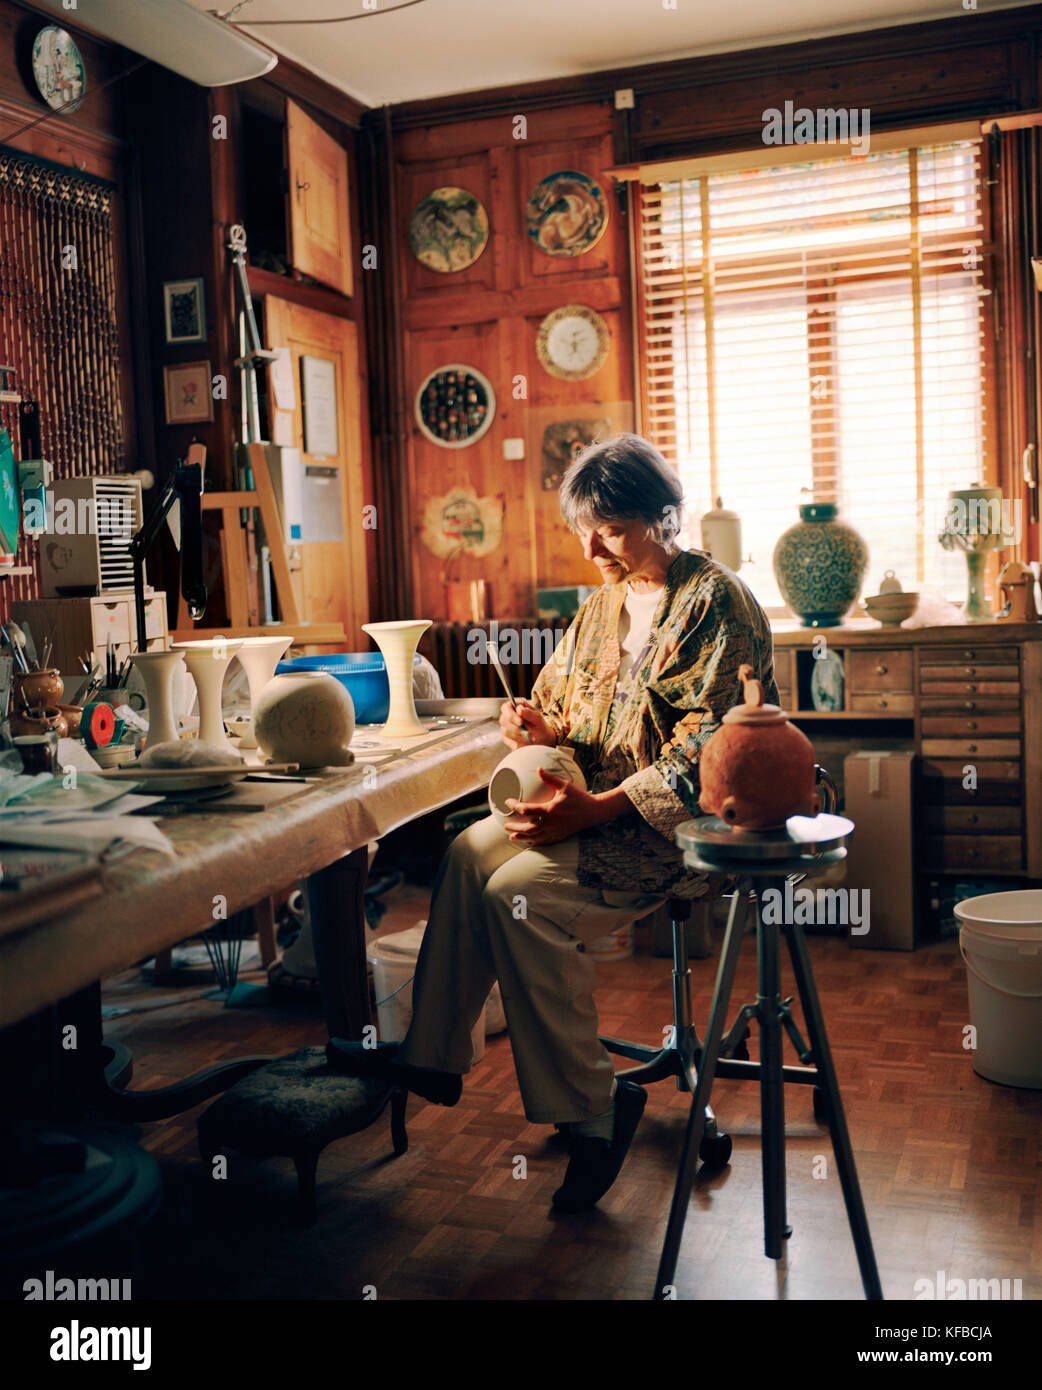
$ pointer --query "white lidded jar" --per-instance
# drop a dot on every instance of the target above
(722, 535)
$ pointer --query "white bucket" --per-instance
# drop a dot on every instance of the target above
(393, 959)
(1001, 944)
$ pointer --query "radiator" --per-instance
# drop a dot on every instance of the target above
(458, 653)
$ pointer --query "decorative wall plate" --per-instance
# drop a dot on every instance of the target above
(455, 406)
(566, 213)
(59, 68)
(448, 230)
(573, 342)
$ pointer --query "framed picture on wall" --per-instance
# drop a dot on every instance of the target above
(184, 311)
(187, 391)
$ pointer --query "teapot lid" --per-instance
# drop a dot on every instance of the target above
(753, 711)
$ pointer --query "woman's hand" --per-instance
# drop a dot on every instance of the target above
(526, 719)
(567, 812)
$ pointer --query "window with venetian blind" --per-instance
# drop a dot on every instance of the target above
(814, 331)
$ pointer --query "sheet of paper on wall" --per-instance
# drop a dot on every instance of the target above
(282, 429)
(320, 413)
(282, 388)
(322, 514)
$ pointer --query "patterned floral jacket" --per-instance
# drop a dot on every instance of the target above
(646, 733)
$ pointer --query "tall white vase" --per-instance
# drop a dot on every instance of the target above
(207, 662)
(398, 642)
(258, 657)
(157, 671)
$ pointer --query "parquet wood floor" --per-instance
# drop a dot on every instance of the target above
(949, 1163)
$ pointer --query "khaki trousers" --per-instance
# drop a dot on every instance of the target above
(501, 911)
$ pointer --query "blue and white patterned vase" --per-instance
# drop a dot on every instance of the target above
(820, 565)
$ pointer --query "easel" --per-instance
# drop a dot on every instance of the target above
(233, 542)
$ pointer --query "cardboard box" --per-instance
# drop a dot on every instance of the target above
(878, 798)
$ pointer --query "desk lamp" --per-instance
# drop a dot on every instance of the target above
(184, 485)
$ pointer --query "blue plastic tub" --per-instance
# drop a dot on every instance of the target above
(362, 674)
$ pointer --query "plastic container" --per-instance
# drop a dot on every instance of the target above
(1001, 945)
(393, 959)
(362, 674)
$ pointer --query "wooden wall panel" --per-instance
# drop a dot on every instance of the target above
(422, 178)
(488, 317)
(535, 163)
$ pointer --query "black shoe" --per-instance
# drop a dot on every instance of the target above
(381, 1062)
(594, 1164)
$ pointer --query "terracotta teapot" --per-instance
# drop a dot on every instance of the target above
(757, 769)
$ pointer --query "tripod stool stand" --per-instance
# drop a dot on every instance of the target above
(760, 859)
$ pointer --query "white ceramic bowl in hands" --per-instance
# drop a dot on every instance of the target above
(517, 777)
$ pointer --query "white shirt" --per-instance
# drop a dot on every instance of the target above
(635, 626)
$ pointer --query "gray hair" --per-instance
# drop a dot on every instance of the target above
(623, 479)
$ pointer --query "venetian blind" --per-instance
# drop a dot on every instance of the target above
(814, 331)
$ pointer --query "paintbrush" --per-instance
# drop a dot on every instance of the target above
(493, 651)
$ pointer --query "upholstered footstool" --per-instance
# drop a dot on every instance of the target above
(293, 1108)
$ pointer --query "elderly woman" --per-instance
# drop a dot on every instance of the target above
(650, 668)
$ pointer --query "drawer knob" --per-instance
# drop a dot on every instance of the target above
(971, 723)
(971, 747)
(880, 670)
(969, 655)
(970, 704)
(973, 818)
(882, 702)
(971, 670)
(971, 689)
(972, 854)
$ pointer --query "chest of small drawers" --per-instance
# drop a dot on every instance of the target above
(969, 701)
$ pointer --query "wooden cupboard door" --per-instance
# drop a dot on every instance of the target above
(330, 583)
(319, 209)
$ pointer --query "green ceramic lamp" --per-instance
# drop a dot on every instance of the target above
(975, 525)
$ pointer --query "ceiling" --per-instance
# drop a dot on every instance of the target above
(441, 47)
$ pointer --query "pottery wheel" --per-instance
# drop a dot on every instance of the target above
(801, 838)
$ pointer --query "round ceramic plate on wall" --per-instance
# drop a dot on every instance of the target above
(448, 230)
(455, 405)
(59, 69)
(572, 342)
(566, 213)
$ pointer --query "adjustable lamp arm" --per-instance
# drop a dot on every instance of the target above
(186, 486)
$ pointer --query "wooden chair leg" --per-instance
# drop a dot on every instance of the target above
(399, 1138)
(264, 920)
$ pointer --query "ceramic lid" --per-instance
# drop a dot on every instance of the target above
(754, 711)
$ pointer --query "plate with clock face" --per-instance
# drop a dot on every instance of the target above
(573, 342)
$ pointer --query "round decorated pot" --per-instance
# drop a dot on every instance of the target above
(757, 770)
(517, 777)
(38, 721)
(306, 718)
(38, 687)
(820, 566)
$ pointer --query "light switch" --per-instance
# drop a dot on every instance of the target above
(513, 448)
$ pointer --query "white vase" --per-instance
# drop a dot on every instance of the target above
(258, 657)
(157, 671)
(517, 777)
(398, 642)
(307, 718)
(207, 662)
